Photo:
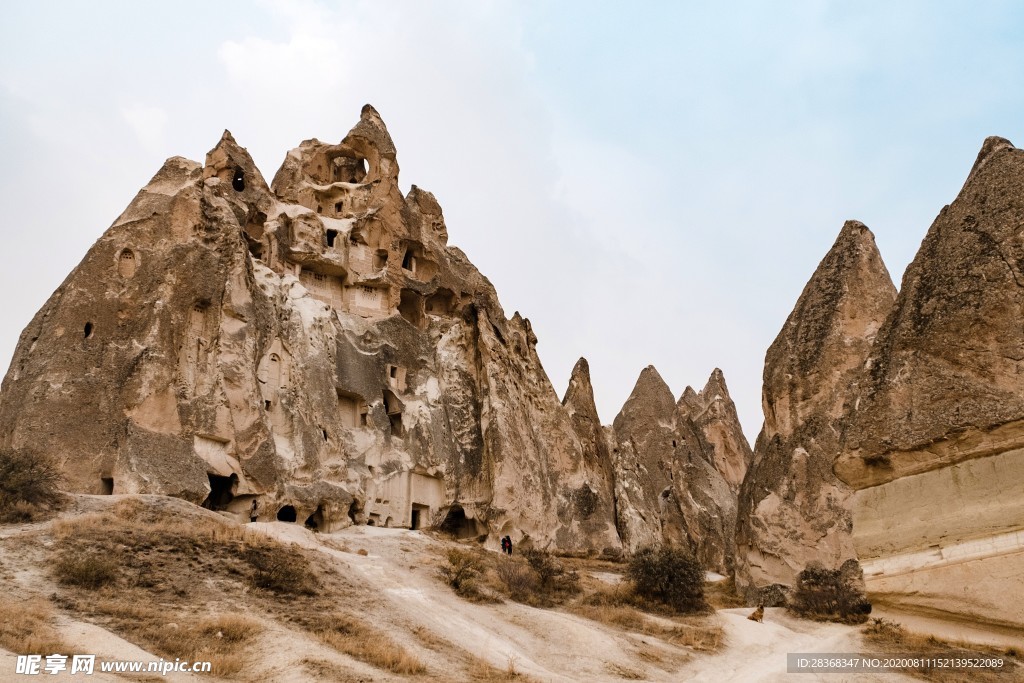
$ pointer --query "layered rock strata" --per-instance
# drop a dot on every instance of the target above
(792, 508)
(935, 441)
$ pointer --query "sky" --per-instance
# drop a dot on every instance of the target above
(649, 183)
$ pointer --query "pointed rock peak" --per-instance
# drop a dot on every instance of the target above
(715, 387)
(580, 391)
(650, 394)
(232, 164)
(689, 402)
(992, 146)
(371, 132)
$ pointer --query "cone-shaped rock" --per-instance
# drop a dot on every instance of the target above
(936, 443)
(594, 500)
(667, 489)
(316, 346)
(714, 413)
(791, 505)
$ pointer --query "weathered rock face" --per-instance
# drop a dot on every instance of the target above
(667, 489)
(792, 508)
(714, 414)
(935, 442)
(315, 346)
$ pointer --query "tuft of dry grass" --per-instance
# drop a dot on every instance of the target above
(347, 634)
(481, 671)
(696, 633)
(722, 594)
(26, 627)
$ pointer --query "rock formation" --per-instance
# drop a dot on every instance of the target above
(315, 345)
(935, 441)
(714, 413)
(792, 509)
(667, 489)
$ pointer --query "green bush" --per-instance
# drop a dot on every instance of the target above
(831, 594)
(29, 482)
(668, 576)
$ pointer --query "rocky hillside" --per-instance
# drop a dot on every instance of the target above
(315, 347)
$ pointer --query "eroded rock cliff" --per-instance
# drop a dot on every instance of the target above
(315, 346)
(935, 441)
(792, 508)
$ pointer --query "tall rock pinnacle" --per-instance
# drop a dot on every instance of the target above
(935, 441)
(791, 505)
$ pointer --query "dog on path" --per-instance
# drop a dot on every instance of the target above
(758, 614)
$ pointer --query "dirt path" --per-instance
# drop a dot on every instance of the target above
(550, 645)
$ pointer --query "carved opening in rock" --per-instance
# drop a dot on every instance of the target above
(372, 519)
(347, 169)
(286, 514)
(666, 494)
(351, 408)
(319, 209)
(389, 521)
(126, 263)
(339, 208)
(441, 302)
(266, 405)
(396, 378)
(366, 300)
(324, 432)
(410, 307)
(332, 235)
(673, 443)
(222, 491)
(316, 520)
(380, 259)
(354, 510)
(393, 407)
(327, 288)
(416, 519)
(87, 331)
(457, 524)
(106, 486)
(238, 181)
(409, 261)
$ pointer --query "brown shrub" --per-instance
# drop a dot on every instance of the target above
(519, 580)
(26, 627)
(87, 570)
(29, 484)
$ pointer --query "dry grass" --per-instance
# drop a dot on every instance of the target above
(26, 627)
(722, 594)
(481, 671)
(347, 634)
(695, 633)
(891, 638)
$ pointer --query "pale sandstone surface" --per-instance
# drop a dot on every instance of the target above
(316, 346)
(792, 508)
(933, 440)
(667, 489)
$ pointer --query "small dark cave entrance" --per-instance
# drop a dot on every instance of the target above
(238, 181)
(222, 491)
(316, 520)
(457, 524)
(286, 514)
(106, 486)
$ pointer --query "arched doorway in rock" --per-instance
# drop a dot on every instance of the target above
(316, 520)
(222, 491)
(457, 524)
(286, 514)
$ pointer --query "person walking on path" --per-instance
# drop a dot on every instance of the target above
(504, 545)
(253, 514)
(508, 545)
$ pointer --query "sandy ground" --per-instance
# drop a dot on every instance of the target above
(410, 603)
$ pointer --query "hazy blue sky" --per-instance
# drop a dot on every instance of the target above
(649, 183)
